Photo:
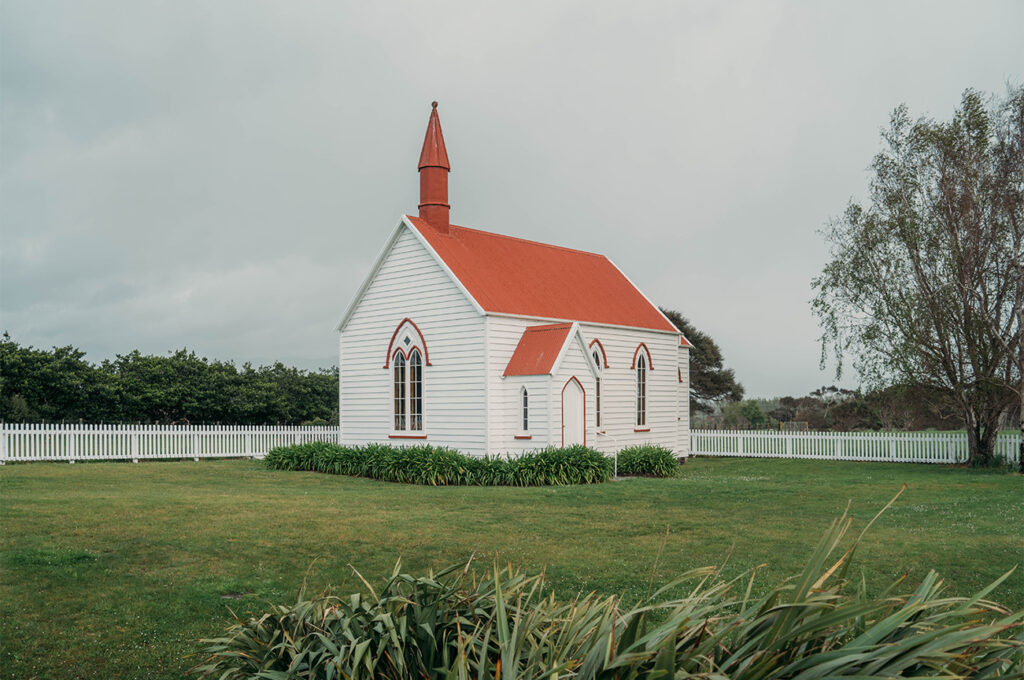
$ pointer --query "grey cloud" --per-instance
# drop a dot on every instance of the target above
(222, 175)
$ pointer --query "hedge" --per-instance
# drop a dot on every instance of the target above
(439, 466)
(648, 460)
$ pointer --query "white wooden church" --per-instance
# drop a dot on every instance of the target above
(491, 344)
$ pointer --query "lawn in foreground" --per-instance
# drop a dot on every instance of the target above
(114, 570)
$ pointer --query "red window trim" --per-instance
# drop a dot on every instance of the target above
(523, 436)
(407, 436)
(641, 429)
(423, 341)
(574, 378)
(636, 353)
(604, 355)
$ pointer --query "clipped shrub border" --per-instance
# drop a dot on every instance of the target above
(648, 460)
(440, 466)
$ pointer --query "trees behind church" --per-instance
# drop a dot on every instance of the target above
(711, 383)
(60, 385)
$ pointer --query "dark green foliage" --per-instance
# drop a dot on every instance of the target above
(505, 624)
(60, 385)
(648, 460)
(439, 466)
(711, 382)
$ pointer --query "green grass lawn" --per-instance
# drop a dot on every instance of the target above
(114, 570)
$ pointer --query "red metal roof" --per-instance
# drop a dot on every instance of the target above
(514, 276)
(537, 349)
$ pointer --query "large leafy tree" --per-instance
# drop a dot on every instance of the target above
(925, 282)
(711, 382)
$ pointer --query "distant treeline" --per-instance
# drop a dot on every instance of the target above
(900, 407)
(59, 385)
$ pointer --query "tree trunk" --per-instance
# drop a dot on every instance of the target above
(982, 430)
(1020, 451)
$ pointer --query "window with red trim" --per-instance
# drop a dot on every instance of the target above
(407, 387)
(526, 410)
(641, 389)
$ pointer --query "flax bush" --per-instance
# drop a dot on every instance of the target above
(505, 624)
(648, 460)
(439, 466)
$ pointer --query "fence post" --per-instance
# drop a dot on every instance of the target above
(135, 446)
(3, 444)
(195, 447)
(248, 444)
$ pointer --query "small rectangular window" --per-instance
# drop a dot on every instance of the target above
(526, 411)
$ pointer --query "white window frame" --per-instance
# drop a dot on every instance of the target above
(524, 411)
(640, 396)
(403, 359)
(596, 356)
(399, 392)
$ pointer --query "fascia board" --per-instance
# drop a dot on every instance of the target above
(373, 273)
(651, 303)
(443, 265)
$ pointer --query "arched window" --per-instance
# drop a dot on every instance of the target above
(597, 386)
(526, 409)
(415, 391)
(398, 364)
(407, 357)
(641, 389)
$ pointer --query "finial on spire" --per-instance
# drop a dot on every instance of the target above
(434, 170)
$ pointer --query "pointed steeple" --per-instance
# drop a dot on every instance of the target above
(434, 170)
(434, 154)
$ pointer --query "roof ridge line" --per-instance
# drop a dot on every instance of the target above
(550, 326)
(526, 240)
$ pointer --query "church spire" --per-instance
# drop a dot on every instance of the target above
(434, 170)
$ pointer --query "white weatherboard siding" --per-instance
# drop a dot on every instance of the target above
(618, 388)
(508, 412)
(411, 284)
(683, 446)
(503, 335)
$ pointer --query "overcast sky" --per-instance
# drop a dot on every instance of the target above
(221, 175)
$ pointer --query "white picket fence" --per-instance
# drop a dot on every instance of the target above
(62, 442)
(893, 447)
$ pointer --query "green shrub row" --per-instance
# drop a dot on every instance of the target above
(506, 625)
(438, 466)
(648, 460)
